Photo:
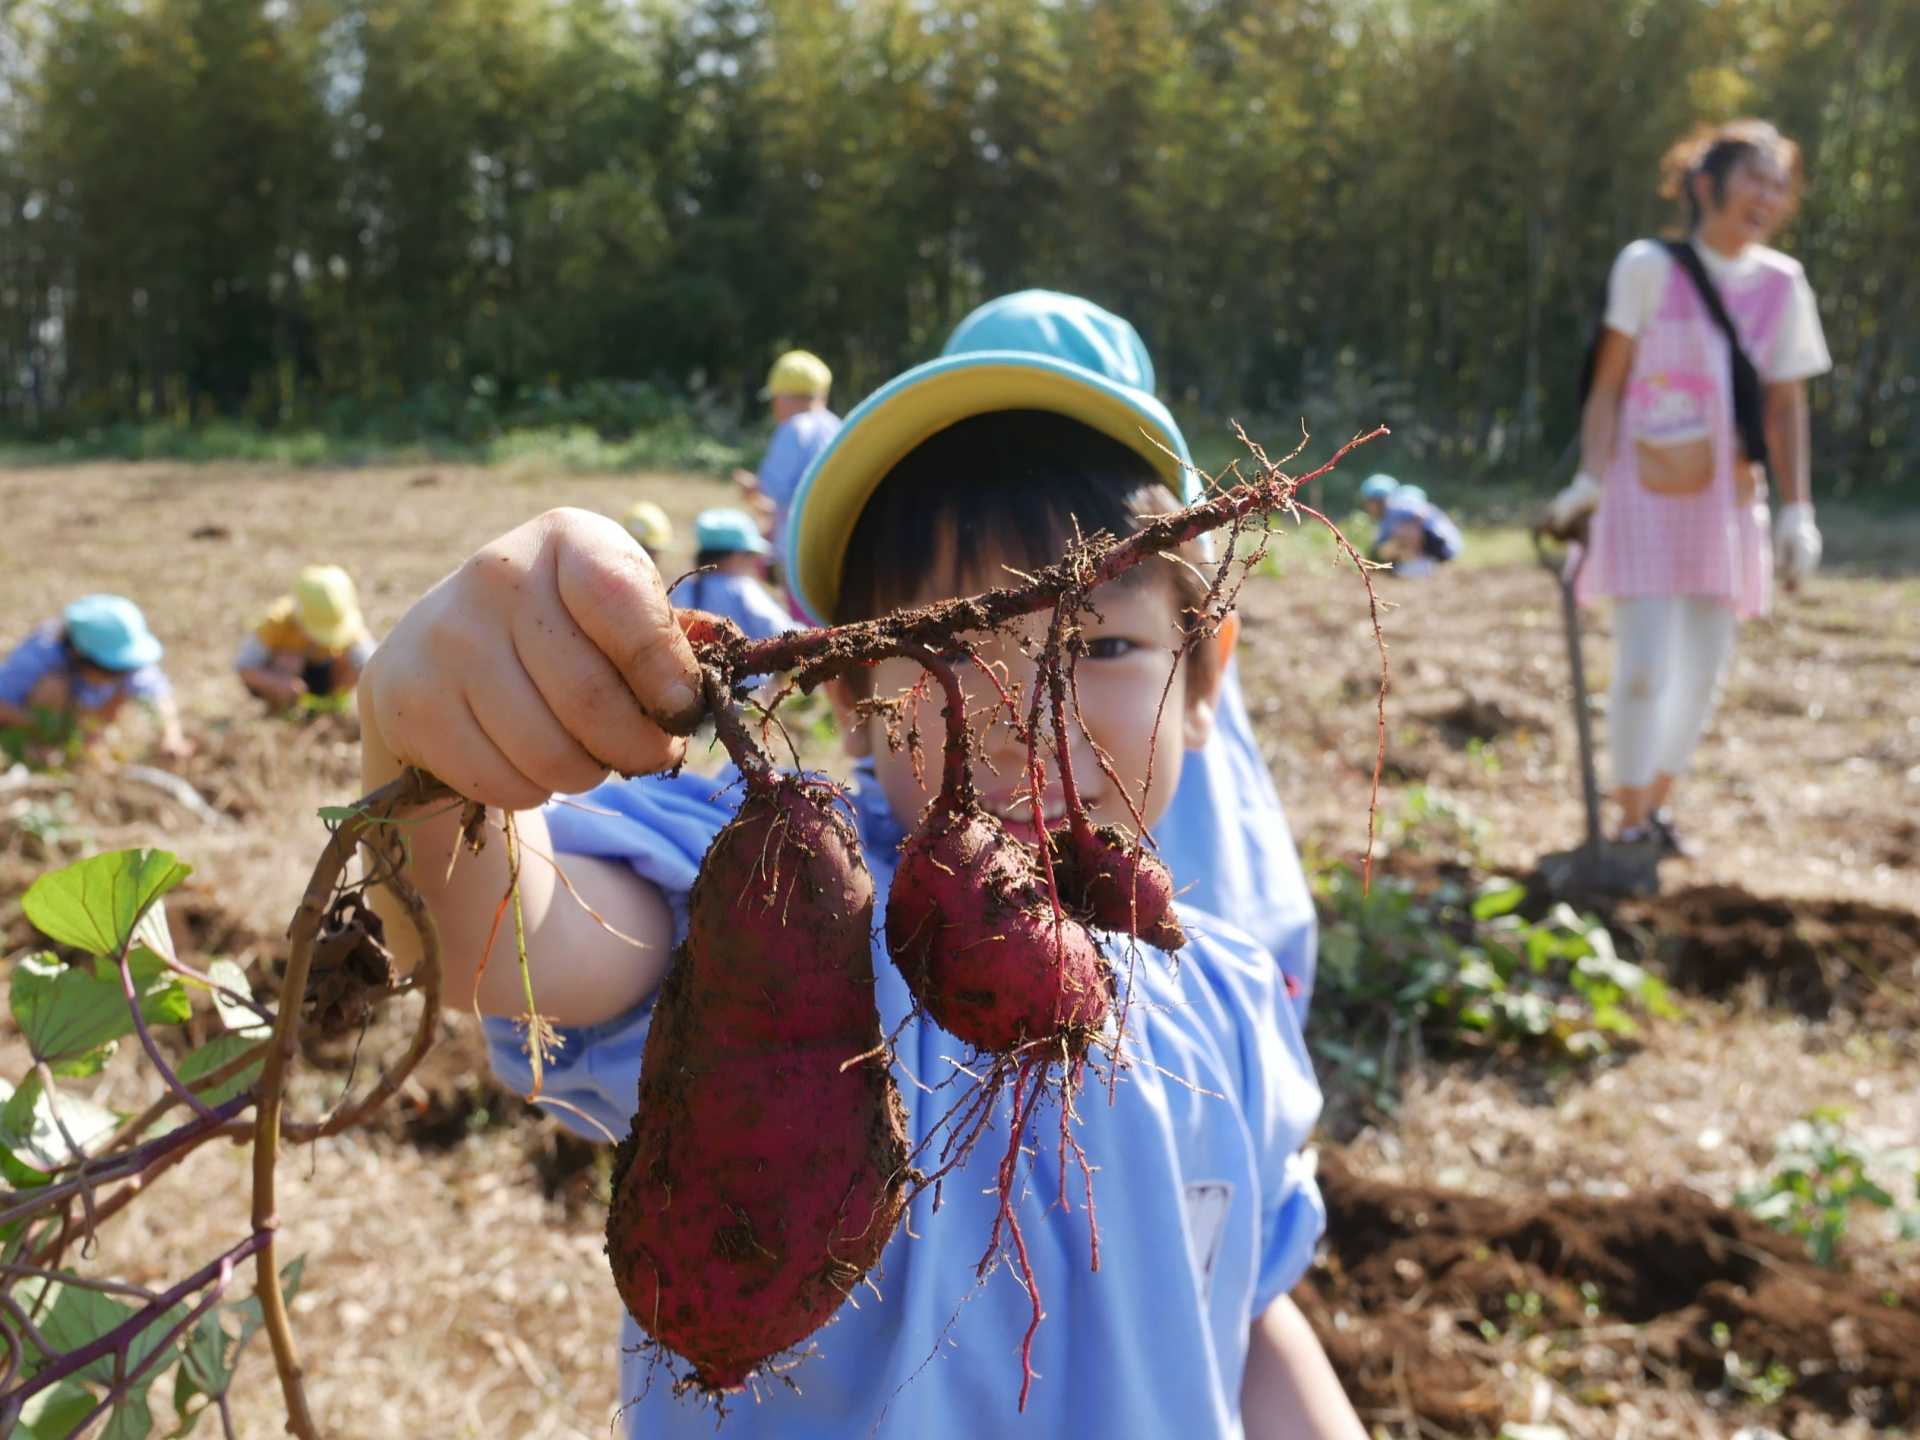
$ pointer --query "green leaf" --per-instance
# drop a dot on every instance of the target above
(68, 1013)
(1498, 899)
(131, 1419)
(252, 1317)
(55, 1413)
(93, 903)
(204, 1370)
(227, 976)
(77, 1317)
(31, 1145)
(217, 1052)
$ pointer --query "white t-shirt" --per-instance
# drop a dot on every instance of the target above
(1639, 279)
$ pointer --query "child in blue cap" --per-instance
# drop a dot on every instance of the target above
(730, 558)
(1414, 535)
(985, 459)
(73, 675)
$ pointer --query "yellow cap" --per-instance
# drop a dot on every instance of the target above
(798, 372)
(328, 607)
(649, 524)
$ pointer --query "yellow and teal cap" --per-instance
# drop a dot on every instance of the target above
(1034, 350)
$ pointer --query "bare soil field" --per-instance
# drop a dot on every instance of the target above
(1513, 1242)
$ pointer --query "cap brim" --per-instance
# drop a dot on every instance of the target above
(913, 407)
(139, 653)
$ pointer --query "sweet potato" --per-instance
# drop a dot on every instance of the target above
(973, 926)
(1115, 883)
(764, 1174)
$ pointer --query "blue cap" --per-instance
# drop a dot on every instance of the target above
(1412, 494)
(1378, 487)
(730, 531)
(1034, 350)
(109, 631)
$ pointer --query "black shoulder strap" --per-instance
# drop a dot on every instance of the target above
(1748, 405)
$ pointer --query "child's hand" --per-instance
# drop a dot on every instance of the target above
(547, 659)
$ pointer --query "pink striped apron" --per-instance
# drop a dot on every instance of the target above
(1712, 542)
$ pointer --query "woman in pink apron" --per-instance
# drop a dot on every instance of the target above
(1680, 530)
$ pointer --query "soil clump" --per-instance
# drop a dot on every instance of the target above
(1414, 1277)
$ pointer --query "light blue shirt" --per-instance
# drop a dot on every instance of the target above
(1207, 1211)
(1225, 838)
(1438, 532)
(42, 653)
(789, 453)
(741, 598)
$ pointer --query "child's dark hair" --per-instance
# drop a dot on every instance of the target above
(1714, 151)
(1009, 488)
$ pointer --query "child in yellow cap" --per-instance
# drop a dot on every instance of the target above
(648, 524)
(796, 388)
(310, 643)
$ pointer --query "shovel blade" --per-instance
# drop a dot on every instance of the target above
(1603, 869)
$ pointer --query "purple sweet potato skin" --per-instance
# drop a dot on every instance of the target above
(761, 1180)
(1116, 886)
(971, 927)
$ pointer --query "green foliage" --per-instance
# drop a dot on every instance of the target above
(211, 1351)
(94, 904)
(284, 231)
(1431, 822)
(1400, 971)
(1819, 1175)
(72, 1016)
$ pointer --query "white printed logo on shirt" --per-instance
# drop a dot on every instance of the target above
(1208, 1202)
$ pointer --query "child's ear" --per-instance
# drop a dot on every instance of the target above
(1203, 701)
(854, 739)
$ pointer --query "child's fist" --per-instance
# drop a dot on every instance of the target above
(547, 659)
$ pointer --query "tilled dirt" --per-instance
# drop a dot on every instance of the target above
(1820, 959)
(1413, 1277)
(455, 1277)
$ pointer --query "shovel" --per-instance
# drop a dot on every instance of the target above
(1598, 866)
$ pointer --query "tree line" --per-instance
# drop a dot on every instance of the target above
(307, 211)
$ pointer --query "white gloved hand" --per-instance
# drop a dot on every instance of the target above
(1565, 509)
(1796, 542)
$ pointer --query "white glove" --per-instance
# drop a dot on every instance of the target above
(1578, 499)
(1796, 542)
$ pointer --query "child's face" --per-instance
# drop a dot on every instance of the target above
(1131, 651)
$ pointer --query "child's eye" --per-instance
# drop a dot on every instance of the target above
(1110, 647)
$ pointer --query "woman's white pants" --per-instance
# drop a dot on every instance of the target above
(1670, 654)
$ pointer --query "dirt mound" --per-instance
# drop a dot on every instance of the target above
(1485, 713)
(1814, 957)
(1413, 1277)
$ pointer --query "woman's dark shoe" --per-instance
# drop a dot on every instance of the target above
(1661, 824)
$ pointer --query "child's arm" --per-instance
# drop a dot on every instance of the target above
(530, 671)
(1289, 1389)
(173, 738)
